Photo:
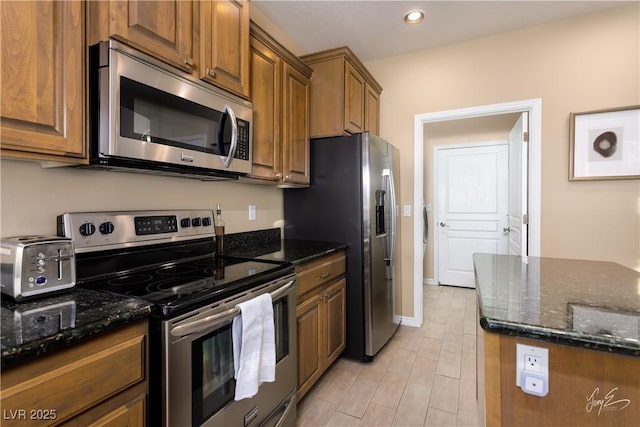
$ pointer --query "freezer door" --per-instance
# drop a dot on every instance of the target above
(380, 228)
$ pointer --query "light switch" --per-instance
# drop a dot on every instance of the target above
(407, 210)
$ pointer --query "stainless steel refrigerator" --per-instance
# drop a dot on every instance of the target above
(353, 199)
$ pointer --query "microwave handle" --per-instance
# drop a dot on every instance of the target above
(234, 135)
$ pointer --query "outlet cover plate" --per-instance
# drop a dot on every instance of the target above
(541, 354)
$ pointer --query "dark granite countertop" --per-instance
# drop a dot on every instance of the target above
(30, 329)
(267, 245)
(591, 304)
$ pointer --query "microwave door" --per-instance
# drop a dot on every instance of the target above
(146, 117)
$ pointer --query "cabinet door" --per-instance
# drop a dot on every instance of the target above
(265, 95)
(160, 28)
(310, 343)
(372, 111)
(295, 126)
(224, 44)
(131, 414)
(335, 306)
(42, 76)
(354, 96)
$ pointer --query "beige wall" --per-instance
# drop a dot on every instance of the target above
(32, 197)
(581, 64)
(464, 131)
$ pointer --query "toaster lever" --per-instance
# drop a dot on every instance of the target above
(58, 259)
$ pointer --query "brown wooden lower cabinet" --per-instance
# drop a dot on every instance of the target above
(586, 387)
(321, 317)
(99, 382)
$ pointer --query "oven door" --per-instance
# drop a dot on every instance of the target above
(199, 387)
(147, 113)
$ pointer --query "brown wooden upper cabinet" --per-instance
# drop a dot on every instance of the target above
(280, 95)
(42, 87)
(222, 39)
(208, 38)
(162, 29)
(345, 98)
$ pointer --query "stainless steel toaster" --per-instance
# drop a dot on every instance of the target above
(36, 265)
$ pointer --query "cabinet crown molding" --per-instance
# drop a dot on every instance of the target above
(347, 54)
(258, 33)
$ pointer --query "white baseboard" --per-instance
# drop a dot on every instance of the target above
(409, 321)
(429, 281)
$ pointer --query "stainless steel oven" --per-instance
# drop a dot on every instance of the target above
(199, 360)
(167, 258)
(145, 116)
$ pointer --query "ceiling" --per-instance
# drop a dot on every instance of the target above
(375, 29)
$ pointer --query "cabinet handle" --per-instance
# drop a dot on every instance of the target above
(189, 61)
(288, 177)
(324, 275)
(279, 175)
(210, 73)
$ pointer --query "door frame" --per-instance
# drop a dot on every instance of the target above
(534, 108)
(436, 192)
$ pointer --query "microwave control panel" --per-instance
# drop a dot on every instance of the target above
(242, 148)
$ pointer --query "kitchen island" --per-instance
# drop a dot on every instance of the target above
(586, 314)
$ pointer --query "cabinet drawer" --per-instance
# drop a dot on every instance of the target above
(318, 272)
(67, 383)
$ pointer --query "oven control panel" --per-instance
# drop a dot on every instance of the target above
(93, 231)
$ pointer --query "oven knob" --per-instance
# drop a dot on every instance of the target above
(195, 222)
(106, 227)
(206, 221)
(87, 229)
(185, 222)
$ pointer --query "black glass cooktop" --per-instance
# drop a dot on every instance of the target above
(173, 287)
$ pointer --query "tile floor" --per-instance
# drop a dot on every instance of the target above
(423, 376)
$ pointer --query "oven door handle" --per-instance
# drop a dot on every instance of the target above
(289, 403)
(214, 320)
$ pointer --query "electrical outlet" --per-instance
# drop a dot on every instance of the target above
(252, 212)
(532, 362)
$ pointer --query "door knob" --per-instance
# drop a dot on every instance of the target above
(507, 229)
(442, 224)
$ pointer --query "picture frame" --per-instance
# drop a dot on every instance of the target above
(605, 144)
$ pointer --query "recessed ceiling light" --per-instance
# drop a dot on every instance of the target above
(414, 16)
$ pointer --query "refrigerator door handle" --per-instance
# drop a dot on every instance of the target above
(394, 211)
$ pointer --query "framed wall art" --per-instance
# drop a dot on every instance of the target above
(605, 144)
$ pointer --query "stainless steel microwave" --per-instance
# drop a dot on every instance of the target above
(145, 116)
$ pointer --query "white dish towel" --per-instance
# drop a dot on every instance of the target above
(254, 346)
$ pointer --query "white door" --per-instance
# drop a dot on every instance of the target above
(472, 209)
(518, 191)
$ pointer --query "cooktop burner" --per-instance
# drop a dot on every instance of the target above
(180, 285)
(164, 257)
